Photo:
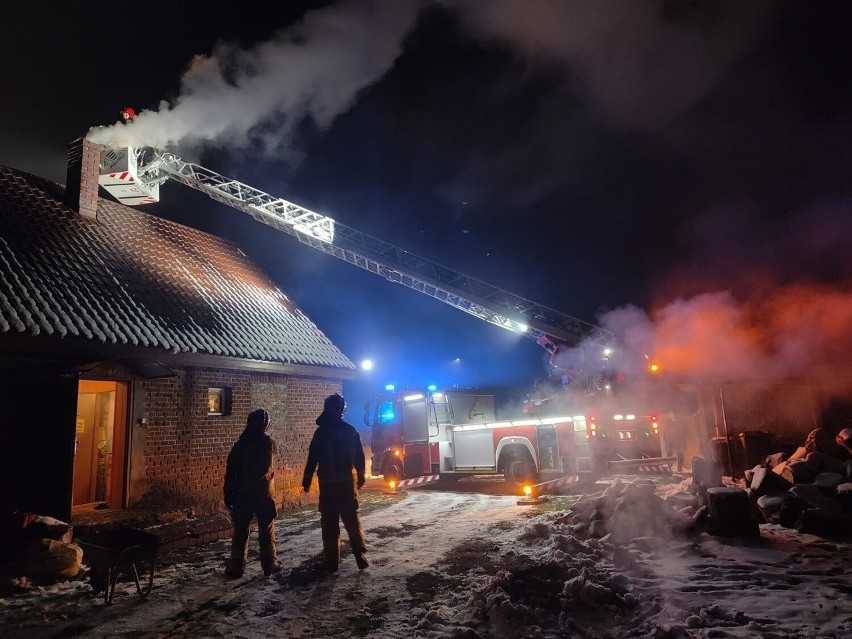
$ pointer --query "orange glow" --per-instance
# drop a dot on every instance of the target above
(654, 367)
(396, 452)
(528, 490)
(392, 484)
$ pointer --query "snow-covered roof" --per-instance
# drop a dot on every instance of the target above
(136, 279)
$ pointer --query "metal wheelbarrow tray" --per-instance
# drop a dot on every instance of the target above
(109, 551)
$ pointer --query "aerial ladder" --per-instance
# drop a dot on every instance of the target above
(133, 176)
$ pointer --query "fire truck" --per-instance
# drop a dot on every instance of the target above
(456, 432)
(424, 435)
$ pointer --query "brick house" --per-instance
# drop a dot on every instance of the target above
(132, 349)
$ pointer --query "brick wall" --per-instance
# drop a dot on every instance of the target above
(186, 449)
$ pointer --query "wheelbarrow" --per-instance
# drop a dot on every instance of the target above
(109, 552)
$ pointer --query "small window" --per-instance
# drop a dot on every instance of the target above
(219, 401)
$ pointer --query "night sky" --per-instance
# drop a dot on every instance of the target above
(678, 171)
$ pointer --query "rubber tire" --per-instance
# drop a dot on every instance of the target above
(520, 471)
(392, 472)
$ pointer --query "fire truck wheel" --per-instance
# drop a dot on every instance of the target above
(520, 471)
(392, 472)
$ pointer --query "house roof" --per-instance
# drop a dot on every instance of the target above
(131, 278)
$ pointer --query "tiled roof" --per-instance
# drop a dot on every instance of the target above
(133, 278)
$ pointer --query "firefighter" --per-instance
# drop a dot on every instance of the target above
(337, 457)
(128, 114)
(249, 490)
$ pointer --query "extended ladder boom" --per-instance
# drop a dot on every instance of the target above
(461, 291)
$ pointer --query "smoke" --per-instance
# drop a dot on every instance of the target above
(636, 64)
(803, 330)
(240, 98)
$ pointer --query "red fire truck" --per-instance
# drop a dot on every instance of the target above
(455, 433)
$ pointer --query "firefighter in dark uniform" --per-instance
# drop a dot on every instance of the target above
(249, 490)
(337, 457)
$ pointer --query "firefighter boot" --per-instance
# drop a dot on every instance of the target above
(330, 554)
(330, 525)
(266, 542)
(237, 562)
(235, 568)
(352, 523)
(361, 560)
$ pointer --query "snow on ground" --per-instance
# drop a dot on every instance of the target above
(456, 564)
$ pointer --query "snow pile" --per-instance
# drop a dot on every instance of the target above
(623, 512)
(571, 571)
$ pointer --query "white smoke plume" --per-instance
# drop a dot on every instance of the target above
(257, 97)
(637, 64)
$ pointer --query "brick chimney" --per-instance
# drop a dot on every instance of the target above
(81, 184)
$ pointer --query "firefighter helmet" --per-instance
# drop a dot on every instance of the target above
(128, 113)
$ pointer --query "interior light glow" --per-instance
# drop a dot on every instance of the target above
(437, 395)
(618, 417)
(390, 388)
(630, 417)
(411, 398)
(431, 388)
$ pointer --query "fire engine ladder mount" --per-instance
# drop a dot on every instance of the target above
(488, 303)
